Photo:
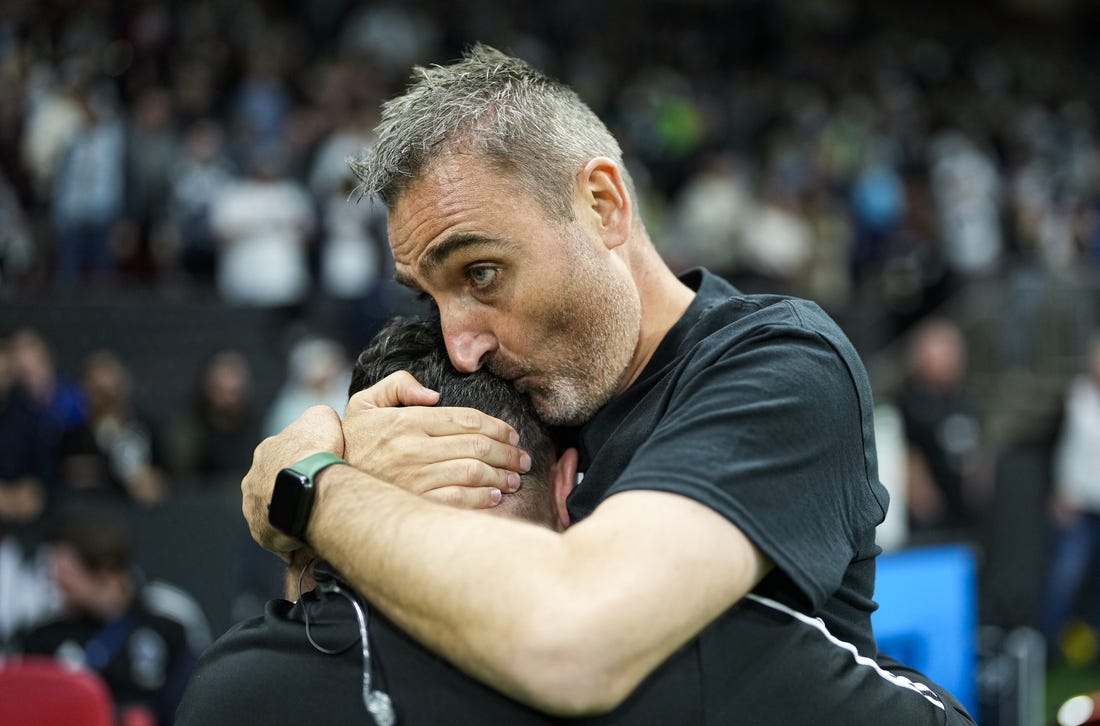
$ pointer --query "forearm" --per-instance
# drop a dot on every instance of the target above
(467, 584)
(569, 623)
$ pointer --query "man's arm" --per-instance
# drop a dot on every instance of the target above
(570, 623)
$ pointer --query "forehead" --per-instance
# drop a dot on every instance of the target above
(459, 195)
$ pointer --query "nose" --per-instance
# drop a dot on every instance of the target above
(467, 348)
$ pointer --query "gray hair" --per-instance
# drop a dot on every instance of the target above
(497, 107)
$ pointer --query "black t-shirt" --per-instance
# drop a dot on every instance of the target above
(143, 658)
(759, 408)
(265, 670)
(760, 664)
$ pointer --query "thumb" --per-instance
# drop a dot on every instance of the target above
(396, 389)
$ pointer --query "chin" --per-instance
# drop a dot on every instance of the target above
(559, 415)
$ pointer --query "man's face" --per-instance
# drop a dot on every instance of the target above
(541, 302)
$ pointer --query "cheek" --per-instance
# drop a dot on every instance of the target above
(549, 315)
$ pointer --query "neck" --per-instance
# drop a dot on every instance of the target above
(664, 301)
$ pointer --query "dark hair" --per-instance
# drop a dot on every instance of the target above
(416, 346)
(100, 541)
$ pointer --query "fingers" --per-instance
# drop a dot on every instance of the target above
(447, 421)
(437, 422)
(387, 441)
(480, 448)
(462, 473)
(466, 497)
(396, 389)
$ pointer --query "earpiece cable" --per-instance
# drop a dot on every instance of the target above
(377, 703)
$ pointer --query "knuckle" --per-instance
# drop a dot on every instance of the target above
(451, 496)
(464, 418)
(472, 473)
(480, 447)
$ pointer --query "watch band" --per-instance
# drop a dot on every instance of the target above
(293, 494)
(313, 464)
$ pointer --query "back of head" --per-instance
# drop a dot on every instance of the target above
(496, 107)
(417, 346)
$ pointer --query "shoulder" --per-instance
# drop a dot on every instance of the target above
(170, 629)
(752, 316)
(772, 337)
(45, 634)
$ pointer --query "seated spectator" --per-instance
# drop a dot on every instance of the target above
(212, 441)
(114, 452)
(24, 451)
(143, 657)
(61, 400)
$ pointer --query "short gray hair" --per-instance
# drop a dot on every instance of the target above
(497, 107)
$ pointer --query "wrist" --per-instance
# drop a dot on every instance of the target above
(294, 495)
(322, 493)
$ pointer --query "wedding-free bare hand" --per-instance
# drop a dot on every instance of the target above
(317, 429)
(459, 456)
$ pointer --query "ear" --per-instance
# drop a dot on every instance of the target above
(563, 477)
(604, 192)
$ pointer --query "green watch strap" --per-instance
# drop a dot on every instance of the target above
(312, 465)
(294, 492)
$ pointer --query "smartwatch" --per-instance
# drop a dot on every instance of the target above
(292, 498)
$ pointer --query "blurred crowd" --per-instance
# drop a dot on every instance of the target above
(824, 148)
(89, 437)
(878, 158)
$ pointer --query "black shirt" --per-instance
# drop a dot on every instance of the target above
(757, 664)
(759, 408)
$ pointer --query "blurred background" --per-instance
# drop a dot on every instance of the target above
(185, 264)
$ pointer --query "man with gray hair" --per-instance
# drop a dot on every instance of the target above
(726, 440)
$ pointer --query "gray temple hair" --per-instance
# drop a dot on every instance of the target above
(499, 108)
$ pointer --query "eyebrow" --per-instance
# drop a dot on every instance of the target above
(437, 256)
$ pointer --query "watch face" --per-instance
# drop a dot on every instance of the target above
(290, 501)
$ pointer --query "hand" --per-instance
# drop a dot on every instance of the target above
(458, 456)
(298, 579)
(317, 429)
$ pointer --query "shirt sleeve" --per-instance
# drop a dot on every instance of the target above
(772, 431)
